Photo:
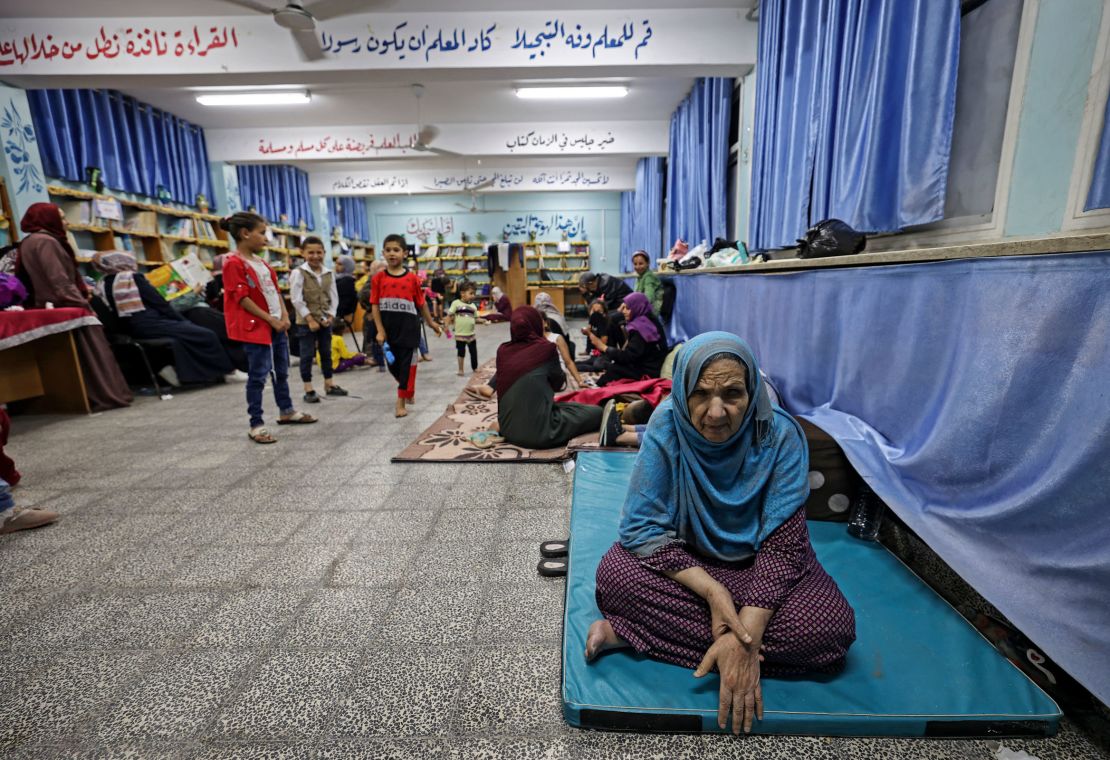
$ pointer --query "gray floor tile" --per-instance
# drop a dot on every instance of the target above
(145, 566)
(511, 690)
(395, 525)
(522, 613)
(474, 527)
(147, 620)
(515, 562)
(238, 528)
(216, 567)
(382, 749)
(176, 700)
(251, 618)
(330, 528)
(295, 565)
(402, 692)
(69, 566)
(433, 615)
(417, 494)
(450, 563)
(288, 697)
(382, 563)
(536, 525)
(60, 701)
(340, 618)
(557, 748)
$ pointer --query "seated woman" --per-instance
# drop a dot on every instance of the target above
(502, 307)
(556, 323)
(714, 568)
(644, 347)
(198, 355)
(528, 374)
(48, 262)
(566, 363)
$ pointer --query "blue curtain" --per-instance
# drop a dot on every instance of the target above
(1099, 194)
(854, 107)
(273, 190)
(697, 188)
(350, 212)
(137, 147)
(642, 213)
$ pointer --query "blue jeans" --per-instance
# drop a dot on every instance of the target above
(308, 344)
(261, 361)
(6, 500)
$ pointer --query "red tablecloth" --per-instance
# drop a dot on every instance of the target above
(18, 327)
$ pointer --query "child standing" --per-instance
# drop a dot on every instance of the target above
(315, 299)
(255, 315)
(462, 316)
(397, 303)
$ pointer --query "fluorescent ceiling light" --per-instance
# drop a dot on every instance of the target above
(270, 98)
(560, 92)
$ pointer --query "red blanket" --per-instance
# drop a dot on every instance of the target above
(18, 327)
(653, 391)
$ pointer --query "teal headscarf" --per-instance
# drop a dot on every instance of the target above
(722, 499)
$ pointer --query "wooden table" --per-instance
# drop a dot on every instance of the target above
(40, 366)
(562, 294)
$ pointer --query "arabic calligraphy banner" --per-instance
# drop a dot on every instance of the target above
(639, 138)
(502, 180)
(717, 37)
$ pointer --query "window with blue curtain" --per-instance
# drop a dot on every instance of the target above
(854, 109)
(697, 165)
(138, 148)
(350, 213)
(276, 189)
(1098, 196)
(642, 213)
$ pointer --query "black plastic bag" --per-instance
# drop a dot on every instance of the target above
(830, 237)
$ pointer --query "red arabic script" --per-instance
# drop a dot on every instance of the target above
(130, 42)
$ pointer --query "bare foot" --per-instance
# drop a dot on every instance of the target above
(600, 638)
(399, 410)
(460, 373)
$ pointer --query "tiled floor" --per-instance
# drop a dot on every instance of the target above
(205, 597)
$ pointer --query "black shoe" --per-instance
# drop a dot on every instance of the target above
(335, 390)
(552, 568)
(553, 549)
(311, 398)
(611, 426)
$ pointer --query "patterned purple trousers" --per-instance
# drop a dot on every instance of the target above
(810, 630)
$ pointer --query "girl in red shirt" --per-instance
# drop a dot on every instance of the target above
(256, 316)
(397, 303)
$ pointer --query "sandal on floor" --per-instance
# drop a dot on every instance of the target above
(261, 435)
(298, 418)
(550, 549)
(27, 519)
(552, 568)
(486, 439)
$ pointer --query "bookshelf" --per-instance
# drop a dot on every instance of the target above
(154, 233)
(469, 260)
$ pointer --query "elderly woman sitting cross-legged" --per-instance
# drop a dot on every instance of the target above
(714, 568)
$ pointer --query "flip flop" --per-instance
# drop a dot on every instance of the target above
(486, 439)
(261, 435)
(550, 549)
(552, 568)
(299, 418)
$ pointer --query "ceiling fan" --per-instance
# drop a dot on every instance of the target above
(300, 19)
(474, 208)
(426, 133)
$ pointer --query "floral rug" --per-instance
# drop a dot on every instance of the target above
(448, 439)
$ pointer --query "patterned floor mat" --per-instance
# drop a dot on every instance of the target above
(448, 438)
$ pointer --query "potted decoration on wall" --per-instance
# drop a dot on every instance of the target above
(532, 235)
(283, 220)
(95, 178)
(164, 194)
(464, 237)
(202, 203)
(481, 237)
(440, 238)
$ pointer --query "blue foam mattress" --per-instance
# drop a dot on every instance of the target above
(917, 667)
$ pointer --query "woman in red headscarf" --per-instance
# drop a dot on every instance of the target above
(528, 374)
(47, 261)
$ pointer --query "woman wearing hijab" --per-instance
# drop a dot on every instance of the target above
(556, 323)
(345, 288)
(47, 261)
(528, 374)
(644, 348)
(502, 307)
(714, 568)
(198, 356)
